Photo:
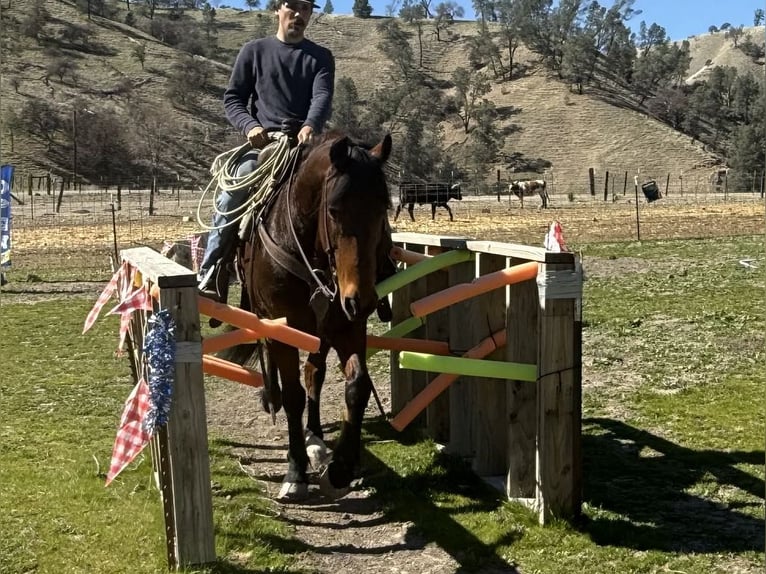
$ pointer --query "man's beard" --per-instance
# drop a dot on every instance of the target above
(296, 29)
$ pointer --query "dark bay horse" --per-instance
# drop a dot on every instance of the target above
(315, 257)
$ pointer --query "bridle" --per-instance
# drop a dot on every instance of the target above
(302, 268)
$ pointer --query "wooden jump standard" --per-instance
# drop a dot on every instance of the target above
(524, 435)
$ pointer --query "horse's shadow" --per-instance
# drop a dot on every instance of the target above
(648, 486)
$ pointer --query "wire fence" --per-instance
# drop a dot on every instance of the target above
(73, 235)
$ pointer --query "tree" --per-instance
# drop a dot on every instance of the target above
(138, 53)
(251, 4)
(208, 21)
(483, 146)
(713, 29)
(745, 93)
(33, 20)
(735, 33)
(188, 78)
(152, 128)
(660, 62)
(484, 52)
(758, 17)
(344, 107)
(328, 7)
(102, 145)
(395, 45)
(61, 67)
(747, 157)
(511, 23)
(362, 8)
(469, 89)
(446, 12)
(40, 119)
(414, 13)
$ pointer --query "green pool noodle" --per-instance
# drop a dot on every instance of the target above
(467, 367)
(421, 269)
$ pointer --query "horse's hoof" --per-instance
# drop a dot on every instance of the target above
(317, 451)
(327, 489)
(293, 492)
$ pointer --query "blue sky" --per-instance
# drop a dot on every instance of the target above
(680, 18)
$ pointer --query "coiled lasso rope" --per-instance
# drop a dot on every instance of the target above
(225, 180)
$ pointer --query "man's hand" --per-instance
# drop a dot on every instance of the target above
(305, 135)
(258, 137)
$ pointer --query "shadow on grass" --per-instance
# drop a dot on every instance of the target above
(644, 480)
(413, 498)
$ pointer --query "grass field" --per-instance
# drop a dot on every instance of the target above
(673, 439)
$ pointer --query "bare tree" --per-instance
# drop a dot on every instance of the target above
(139, 53)
(34, 19)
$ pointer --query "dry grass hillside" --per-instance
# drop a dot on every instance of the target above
(711, 50)
(542, 118)
(100, 70)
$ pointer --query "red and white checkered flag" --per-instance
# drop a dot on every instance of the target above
(108, 291)
(138, 300)
(131, 436)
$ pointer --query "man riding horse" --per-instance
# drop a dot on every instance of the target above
(274, 79)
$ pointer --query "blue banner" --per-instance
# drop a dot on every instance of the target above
(6, 175)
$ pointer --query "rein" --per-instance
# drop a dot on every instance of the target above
(288, 261)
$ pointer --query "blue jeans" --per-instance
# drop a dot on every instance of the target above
(220, 240)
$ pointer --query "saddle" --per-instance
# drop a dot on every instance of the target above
(225, 270)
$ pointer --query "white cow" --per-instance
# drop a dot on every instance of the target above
(527, 187)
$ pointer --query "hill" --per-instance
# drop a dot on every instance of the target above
(711, 50)
(543, 118)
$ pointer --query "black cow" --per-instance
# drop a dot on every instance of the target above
(437, 194)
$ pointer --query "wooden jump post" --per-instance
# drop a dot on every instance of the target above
(515, 304)
(180, 449)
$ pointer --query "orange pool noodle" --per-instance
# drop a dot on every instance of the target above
(443, 381)
(229, 339)
(271, 329)
(483, 284)
(228, 370)
(405, 256)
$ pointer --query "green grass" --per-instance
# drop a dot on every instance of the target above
(673, 443)
(62, 396)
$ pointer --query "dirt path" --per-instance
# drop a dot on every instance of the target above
(348, 536)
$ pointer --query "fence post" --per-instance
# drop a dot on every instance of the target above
(184, 461)
(559, 469)
(461, 440)
(437, 329)
(667, 185)
(406, 383)
(606, 185)
(638, 222)
(151, 196)
(61, 196)
(592, 181)
(521, 347)
(489, 408)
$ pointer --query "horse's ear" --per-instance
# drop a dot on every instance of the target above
(383, 149)
(339, 153)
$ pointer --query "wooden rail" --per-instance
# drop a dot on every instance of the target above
(524, 435)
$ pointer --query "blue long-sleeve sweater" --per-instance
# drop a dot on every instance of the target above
(280, 81)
